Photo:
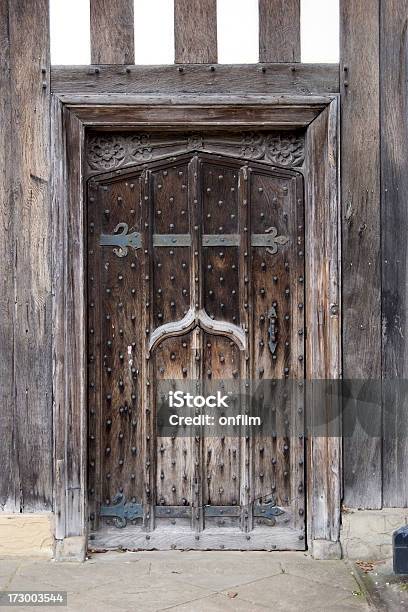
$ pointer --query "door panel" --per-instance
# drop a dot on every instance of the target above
(196, 275)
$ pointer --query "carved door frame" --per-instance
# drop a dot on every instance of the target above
(72, 115)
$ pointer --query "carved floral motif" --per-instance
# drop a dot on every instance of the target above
(111, 151)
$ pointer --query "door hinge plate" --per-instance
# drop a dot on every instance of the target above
(121, 511)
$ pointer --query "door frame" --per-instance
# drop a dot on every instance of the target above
(71, 116)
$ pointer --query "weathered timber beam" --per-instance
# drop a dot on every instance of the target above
(301, 79)
(360, 183)
(195, 31)
(279, 30)
(112, 31)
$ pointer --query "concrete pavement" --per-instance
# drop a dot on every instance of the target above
(191, 581)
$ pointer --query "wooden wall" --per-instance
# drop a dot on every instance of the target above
(360, 163)
(25, 263)
(373, 71)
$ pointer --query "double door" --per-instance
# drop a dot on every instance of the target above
(196, 281)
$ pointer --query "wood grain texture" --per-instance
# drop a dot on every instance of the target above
(279, 30)
(9, 481)
(323, 340)
(186, 194)
(172, 117)
(69, 325)
(74, 347)
(360, 155)
(261, 538)
(27, 199)
(59, 196)
(195, 31)
(112, 32)
(394, 193)
(301, 79)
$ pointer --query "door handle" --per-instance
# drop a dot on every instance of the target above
(273, 328)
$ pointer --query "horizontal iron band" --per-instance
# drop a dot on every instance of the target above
(123, 240)
(171, 240)
(172, 511)
(211, 240)
(222, 511)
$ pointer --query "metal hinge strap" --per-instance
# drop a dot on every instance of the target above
(122, 239)
(212, 240)
(171, 240)
(121, 511)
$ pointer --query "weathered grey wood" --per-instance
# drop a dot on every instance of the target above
(360, 148)
(112, 32)
(301, 79)
(279, 30)
(276, 113)
(321, 146)
(195, 31)
(27, 148)
(59, 205)
(69, 321)
(323, 344)
(394, 194)
(9, 480)
(74, 345)
(131, 538)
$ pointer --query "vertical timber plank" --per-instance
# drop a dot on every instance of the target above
(323, 325)
(29, 151)
(112, 32)
(394, 195)
(74, 308)
(59, 207)
(9, 480)
(195, 31)
(360, 148)
(279, 30)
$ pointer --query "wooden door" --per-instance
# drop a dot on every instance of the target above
(196, 273)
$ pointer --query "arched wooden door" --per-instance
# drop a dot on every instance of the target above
(195, 273)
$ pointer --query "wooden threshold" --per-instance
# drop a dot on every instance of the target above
(167, 538)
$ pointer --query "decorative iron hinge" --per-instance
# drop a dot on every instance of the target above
(123, 240)
(270, 239)
(121, 511)
(269, 510)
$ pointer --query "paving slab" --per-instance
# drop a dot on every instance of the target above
(216, 603)
(289, 593)
(191, 581)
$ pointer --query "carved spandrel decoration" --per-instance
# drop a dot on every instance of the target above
(113, 151)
